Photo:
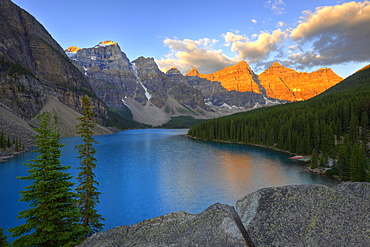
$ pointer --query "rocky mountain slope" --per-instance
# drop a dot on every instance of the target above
(277, 82)
(239, 77)
(139, 85)
(153, 97)
(284, 83)
(216, 95)
(304, 215)
(33, 68)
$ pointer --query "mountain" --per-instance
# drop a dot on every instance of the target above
(34, 69)
(336, 118)
(138, 87)
(277, 82)
(218, 96)
(239, 77)
(284, 83)
(33, 66)
(151, 96)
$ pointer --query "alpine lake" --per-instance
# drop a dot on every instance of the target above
(146, 173)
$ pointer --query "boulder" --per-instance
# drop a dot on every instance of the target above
(302, 215)
(218, 225)
(308, 215)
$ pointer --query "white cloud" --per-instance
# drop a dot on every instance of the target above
(254, 21)
(280, 24)
(186, 54)
(334, 34)
(277, 6)
(254, 51)
(330, 35)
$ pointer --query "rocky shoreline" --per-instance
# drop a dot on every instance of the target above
(296, 215)
(9, 154)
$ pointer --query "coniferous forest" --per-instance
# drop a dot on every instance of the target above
(333, 125)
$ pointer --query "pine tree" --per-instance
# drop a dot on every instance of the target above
(314, 159)
(87, 191)
(8, 144)
(364, 128)
(358, 163)
(3, 241)
(344, 154)
(2, 140)
(53, 217)
(16, 148)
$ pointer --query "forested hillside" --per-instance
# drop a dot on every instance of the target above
(334, 124)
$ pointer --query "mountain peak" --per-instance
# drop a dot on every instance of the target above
(242, 64)
(288, 84)
(276, 64)
(173, 71)
(73, 49)
(106, 43)
(193, 72)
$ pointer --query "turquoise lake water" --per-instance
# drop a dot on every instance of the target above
(151, 172)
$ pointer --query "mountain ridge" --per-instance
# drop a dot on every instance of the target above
(141, 87)
(276, 82)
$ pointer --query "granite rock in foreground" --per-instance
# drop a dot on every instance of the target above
(216, 226)
(304, 215)
(310, 215)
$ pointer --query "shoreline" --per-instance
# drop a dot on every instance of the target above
(6, 155)
(319, 170)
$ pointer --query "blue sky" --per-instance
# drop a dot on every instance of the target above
(210, 35)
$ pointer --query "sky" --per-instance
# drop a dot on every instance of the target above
(213, 34)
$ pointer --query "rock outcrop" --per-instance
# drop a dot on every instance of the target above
(216, 226)
(310, 215)
(284, 83)
(277, 82)
(110, 73)
(152, 96)
(238, 77)
(216, 95)
(138, 86)
(304, 215)
(33, 67)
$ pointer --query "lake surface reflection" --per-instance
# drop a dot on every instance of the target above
(151, 172)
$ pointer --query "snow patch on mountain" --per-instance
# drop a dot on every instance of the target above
(147, 94)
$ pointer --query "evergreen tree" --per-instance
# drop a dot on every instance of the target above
(16, 148)
(8, 144)
(3, 241)
(314, 159)
(2, 140)
(358, 163)
(353, 128)
(87, 191)
(53, 217)
(344, 154)
(364, 128)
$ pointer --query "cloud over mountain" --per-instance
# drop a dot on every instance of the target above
(186, 54)
(333, 35)
(254, 51)
(327, 36)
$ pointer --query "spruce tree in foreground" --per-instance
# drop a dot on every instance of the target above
(52, 218)
(87, 191)
(3, 241)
